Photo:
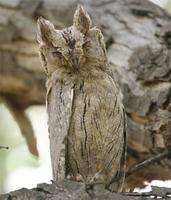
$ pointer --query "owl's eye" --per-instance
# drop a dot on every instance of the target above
(86, 43)
(56, 53)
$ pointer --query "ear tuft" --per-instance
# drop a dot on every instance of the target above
(45, 31)
(81, 20)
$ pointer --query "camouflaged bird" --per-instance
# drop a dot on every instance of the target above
(86, 117)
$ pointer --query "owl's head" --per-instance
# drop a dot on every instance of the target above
(75, 48)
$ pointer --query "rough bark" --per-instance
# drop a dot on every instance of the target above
(68, 190)
(138, 39)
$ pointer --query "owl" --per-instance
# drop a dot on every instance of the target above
(86, 117)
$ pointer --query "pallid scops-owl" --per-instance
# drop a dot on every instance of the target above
(86, 117)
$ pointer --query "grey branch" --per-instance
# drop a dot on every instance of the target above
(69, 190)
(138, 46)
(4, 147)
(147, 162)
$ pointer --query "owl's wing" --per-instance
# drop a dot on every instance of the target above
(113, 122)
(117, 181)
(59, 107)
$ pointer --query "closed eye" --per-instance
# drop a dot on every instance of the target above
(56, 53)
(86, 43)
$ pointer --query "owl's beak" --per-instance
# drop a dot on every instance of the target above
(75, 59)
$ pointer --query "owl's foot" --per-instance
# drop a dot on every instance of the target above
(77, 178)
(94, 188)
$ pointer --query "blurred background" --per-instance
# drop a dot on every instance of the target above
(18, 167)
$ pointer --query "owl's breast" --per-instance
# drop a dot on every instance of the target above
(95, 137)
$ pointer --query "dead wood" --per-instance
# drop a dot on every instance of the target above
(69, 190)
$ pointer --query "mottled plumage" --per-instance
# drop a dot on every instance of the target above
(86, 117)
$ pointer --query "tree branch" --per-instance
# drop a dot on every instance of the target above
(70, 190)
(147, 162)
(4, 147)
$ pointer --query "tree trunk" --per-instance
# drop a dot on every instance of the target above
(138, 39)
